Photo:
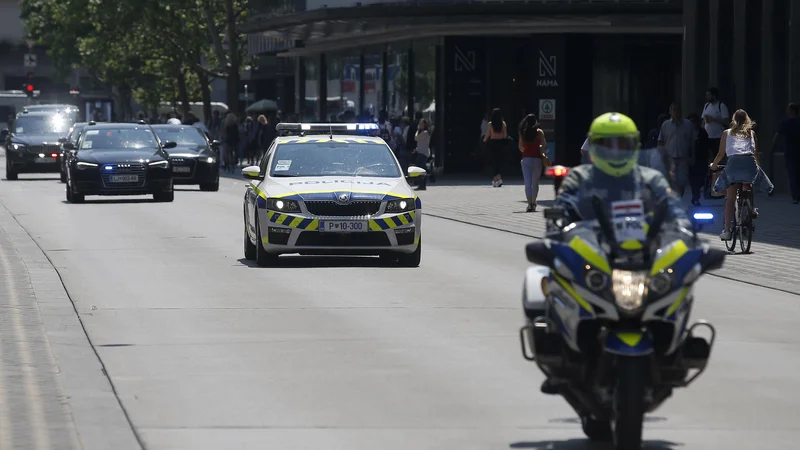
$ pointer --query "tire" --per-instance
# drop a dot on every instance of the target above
(629, 408)
(411, 259)
(263, 258)
(731, 244)
(74, 197)
(746, 226)
(210, 187)
(249, 248)
(164, 196)
(597, 430)
(557, 184)
(63, 177)
(10, 174)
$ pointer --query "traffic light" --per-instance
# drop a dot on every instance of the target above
(29, 89)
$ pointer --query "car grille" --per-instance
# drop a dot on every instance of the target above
(124, 169)
(191, 163)
(367, 239)
(328, 208)
(44, 149)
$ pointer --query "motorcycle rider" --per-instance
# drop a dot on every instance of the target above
(614, 175)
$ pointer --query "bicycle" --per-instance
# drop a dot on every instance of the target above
(743, 226)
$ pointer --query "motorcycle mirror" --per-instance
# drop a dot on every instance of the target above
(539, 253)
(554, 213)
(713, 259)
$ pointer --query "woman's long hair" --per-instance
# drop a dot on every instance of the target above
(741, 124)
(424, 127)
(496, 120)
(230, 119)
(528, 128)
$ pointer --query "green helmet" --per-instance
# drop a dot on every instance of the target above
(614, 144)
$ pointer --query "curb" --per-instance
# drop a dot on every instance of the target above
(100, 420)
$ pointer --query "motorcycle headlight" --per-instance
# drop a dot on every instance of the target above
(398, 206)
(660, 283)
(159, 164)
(84, 165)
(279, 204)
(630, 288)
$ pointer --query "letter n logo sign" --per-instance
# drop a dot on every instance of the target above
(465, 61)
(547, 65)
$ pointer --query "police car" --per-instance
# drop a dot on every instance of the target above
(331, 189)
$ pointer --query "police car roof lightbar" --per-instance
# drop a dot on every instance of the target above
(330, 127)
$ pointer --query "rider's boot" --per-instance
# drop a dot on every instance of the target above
(550, 388)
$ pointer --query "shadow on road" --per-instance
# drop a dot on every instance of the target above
(118, 201)
(322, 262)
(585, 444)
(33, 179)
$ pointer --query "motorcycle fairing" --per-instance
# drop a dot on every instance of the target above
(628, 343)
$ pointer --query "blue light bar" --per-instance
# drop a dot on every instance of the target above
(703, 216)
(108, 168)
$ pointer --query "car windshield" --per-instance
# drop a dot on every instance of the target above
(55, 124)
(71, 113)
(183, 136)
(331, 158)
(118, 139)
(75, 133)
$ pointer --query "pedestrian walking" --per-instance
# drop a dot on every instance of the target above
(496, 140)
(230, 139)
(422, 152)
(677, 137)
(532, 146)
(789, 133)
(716, 117)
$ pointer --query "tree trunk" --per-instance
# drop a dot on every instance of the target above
(183, 95)
(205, 92)
(233, 57)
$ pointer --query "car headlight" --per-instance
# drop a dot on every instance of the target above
(18, 147)
(211, 160)
(159, 164)
(84, 165)
(279, 204)
(629, 288)
(398, 206)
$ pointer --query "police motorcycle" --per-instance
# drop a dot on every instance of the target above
(607, 313)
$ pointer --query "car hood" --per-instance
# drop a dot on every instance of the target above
(330, 188)
(36, 139)
(119, 156)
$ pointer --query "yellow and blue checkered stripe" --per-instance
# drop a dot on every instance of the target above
(303, 223)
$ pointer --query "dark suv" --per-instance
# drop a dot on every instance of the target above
(32, 144)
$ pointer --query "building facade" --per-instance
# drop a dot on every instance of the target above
(565, 61)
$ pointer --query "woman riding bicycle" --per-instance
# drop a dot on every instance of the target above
(740, 144)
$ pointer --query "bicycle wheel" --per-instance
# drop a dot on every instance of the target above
(745, 226)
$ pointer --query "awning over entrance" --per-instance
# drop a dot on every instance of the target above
(336, 28)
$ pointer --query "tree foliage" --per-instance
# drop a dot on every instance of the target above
(153, 50)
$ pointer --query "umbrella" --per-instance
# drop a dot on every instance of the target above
(262, 105)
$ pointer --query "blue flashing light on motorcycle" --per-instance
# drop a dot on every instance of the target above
(608, 322)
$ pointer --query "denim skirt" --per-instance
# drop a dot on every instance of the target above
(743, 169)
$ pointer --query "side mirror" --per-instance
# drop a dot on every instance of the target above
(539, 253)
(414, 171)
(69, 146)
(713, 259)
(252, 173)
(62, 140)
(4, 134)
(169, 144)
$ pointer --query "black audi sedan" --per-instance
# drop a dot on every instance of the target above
(195, 159)
(32, 143)
(119, 159)
(73, 136)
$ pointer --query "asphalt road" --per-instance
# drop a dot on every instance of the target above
(207, 351)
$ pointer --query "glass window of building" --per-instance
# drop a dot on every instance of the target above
(425, 79)
(351, 85)
(373, 83)
(336, 97)
(343, 87)
(311, 103)
(398, 80)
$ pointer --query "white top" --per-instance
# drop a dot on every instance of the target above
(173, 121)
(717, 110)
(735, 145)
(423, 142)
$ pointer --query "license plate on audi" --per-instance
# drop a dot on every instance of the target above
(124, 178)
(179, 169)
(343, 226)
(45, 160)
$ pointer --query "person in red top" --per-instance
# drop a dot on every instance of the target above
(531, 144)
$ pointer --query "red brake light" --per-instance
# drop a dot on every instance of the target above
(560, 171)
(54, 155)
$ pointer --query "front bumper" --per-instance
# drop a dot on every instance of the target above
(300, 233)
(24, 161)
(194, 171)
(92, 181)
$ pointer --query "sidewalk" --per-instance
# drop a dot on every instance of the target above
(774, 260)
